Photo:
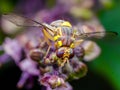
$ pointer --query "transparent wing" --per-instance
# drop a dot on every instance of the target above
(22, 21)
(97, 35)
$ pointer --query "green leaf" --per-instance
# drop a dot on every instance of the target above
(7, 5)
(108, 63)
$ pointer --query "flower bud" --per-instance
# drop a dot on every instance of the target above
(36, 54)
(92, 50)
(79, 52)
(47, 61)
(79, 69)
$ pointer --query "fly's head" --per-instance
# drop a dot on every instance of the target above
(64, 54)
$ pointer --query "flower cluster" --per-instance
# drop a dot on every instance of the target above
(29, 48)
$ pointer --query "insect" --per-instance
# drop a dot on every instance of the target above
(61, 32)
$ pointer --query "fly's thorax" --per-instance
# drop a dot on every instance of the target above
(63, 31)
(64, 37)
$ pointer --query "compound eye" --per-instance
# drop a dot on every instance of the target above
(71, 53)
(60, 52)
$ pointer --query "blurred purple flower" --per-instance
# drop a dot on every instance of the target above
(32, 43)
(13, 49)
(29, 66)
(23, 80)
(29, 7)
(68, 87)
(4, 59)
(52, 81)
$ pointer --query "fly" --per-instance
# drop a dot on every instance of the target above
(60, 32)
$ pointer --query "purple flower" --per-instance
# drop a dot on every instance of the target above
(29, 66)
(30, 7)
(12, 48)
(23, 80)
(67, 87)
(52, 81)
(32, 46)
(4, 59)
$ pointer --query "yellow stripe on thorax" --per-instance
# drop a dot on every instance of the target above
(66, 23)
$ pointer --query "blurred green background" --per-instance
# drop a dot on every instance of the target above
(103, 72)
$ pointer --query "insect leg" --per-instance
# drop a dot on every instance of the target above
(47, 52)
(64, 61)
